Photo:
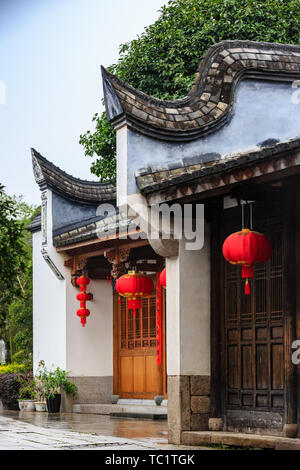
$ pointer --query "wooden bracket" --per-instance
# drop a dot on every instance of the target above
(77, 266)
(117, 259)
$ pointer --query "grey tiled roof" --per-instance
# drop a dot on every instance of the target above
(209, 103)
(48, 175)
(150, 180)
(35, 224)
(100, 229)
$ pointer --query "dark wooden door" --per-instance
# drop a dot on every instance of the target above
(254, 334)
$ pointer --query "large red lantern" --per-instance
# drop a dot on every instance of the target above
(163, 278)
(83, 297)
(133, 286)
(246, 248)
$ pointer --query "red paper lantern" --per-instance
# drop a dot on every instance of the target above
(163, 278)
(246, 248)
(133, 286)
(83, 313)
(82, 282)
(83, 297)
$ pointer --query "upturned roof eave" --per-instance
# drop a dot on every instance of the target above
(208, 105)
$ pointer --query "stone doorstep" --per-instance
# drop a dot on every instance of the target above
(126, 411)
(202, 438)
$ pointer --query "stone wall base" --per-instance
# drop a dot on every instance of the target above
(91, 390)
(188, 404)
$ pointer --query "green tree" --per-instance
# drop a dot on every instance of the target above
(162, 61)
(16, 276)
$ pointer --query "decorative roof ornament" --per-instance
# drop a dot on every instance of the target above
(37, 171)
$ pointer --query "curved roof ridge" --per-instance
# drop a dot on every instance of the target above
(208, 104)
(49, 175)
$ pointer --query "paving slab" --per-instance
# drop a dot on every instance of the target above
(32, 431)
(141, 410)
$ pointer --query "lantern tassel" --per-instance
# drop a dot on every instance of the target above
(247, 287)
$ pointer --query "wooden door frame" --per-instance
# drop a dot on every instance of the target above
(218, 379)
(116, 345)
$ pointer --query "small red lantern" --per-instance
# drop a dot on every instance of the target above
(83, 313)
(83, 297)
(82, 282)
(133, 286)
(246, 248)
(163, 278)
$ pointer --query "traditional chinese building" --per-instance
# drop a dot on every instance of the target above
(230, 148)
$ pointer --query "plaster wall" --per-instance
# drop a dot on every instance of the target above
(49, 304)
(89, 349)
(188, 311)
(58, 337)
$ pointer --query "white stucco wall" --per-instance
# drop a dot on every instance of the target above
(188, 310)
(58, 336)
(49, 312)
(90, 348)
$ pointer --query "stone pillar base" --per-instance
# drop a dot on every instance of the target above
(215, 424)
(188, 405)
(290, 430)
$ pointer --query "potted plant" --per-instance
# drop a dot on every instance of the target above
(52, 383)
(40, 404)
(26, 394)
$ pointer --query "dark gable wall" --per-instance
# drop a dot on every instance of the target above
(66, 213)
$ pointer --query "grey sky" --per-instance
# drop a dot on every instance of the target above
(51, 52)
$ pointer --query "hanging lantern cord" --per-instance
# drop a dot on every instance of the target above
(251, 218)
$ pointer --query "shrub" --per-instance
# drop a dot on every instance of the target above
(14, 368)
(52, 382)
(9, 389)
(27, 390)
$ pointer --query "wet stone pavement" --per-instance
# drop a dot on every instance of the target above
(66, 431)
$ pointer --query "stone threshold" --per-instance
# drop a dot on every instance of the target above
(123, 411)
(202, 438)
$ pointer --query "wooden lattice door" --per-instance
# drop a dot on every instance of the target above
(138, 374)
(254, 336)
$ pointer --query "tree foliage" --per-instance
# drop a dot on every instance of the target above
(162, 61)
(16, 276)
(12, 250)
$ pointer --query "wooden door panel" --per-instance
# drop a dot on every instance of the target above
(139, 374)
(126, 374)
(247, 378)
(277, 361)
(152, 374)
